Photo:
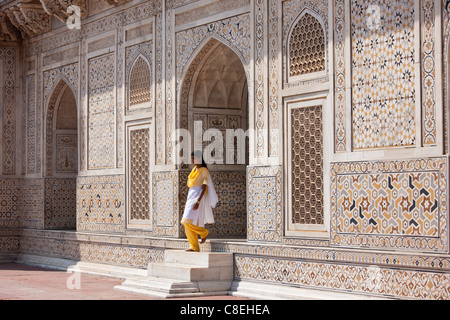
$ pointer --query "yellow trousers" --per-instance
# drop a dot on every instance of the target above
(192, 233)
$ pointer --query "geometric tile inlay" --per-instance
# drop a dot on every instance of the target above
(101, 112)
(264, 204)
(60, 204)
(7, 91)
(393, 204)
(100, 204)
(31, 124)
(362, 279)
(383, 70)
(9, 203)
(402, 204)
(165, 204)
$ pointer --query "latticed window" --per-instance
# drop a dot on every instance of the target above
(306, 47)
(140, 86)
(307, 166)
(139, 175)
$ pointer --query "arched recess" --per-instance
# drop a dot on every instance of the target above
(306, 49)
(61, 159)
(215, 93)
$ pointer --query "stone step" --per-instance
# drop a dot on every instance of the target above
(164, 286)
(169, 288)
(203, 259)
(189, 273)
(185, 274)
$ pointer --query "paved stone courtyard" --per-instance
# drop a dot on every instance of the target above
(23, 282)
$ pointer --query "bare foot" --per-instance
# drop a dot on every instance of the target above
(204, 240)
(190, 250)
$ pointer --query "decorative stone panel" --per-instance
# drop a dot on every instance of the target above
(66, 153)
(391, 205)
(264, 204)
(101, 204)
(9, 242)
(359, 279)
(89, 248)
(8, 92)
(340, 74)
(101, 112)
(9, 204)
(383, 75)
(165, 204)
(60, 204)
(32, 202)
(31, 124)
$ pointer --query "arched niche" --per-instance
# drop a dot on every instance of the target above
(215, 94)
(61, 159)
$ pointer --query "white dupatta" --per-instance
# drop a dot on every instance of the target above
(212, 201)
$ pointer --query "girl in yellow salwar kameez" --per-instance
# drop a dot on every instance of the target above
(201, 199)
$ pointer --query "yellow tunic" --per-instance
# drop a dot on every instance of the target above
(198, 177)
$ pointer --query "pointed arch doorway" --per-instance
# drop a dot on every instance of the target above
(61, 159)
(214, 99)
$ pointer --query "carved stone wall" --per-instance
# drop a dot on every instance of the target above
(379, 88)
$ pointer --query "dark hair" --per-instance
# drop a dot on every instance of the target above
(199, 155)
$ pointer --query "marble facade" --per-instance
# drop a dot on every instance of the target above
(346, 168)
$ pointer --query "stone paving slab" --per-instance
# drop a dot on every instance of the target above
(24, 282)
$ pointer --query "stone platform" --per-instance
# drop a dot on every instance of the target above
(185, 274)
